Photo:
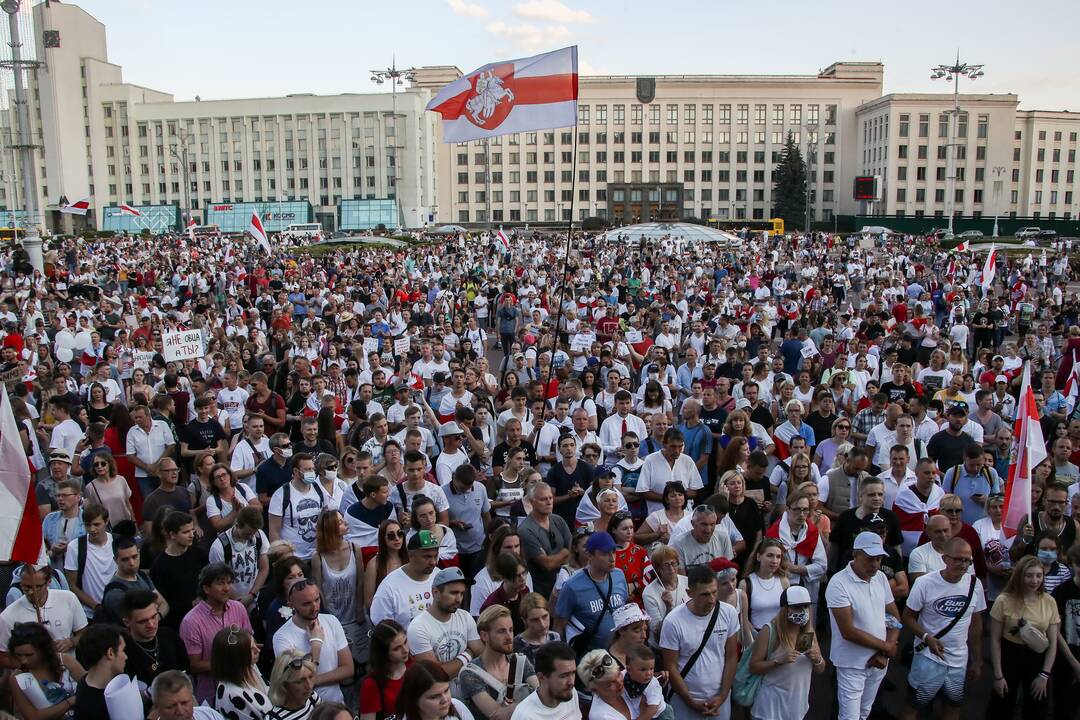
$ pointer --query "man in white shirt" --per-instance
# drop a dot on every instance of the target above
(59, 611)
(148, 441)
(615, 426)
(66, 432)
(406, 592)
(668, 465)
(232, 400)
(250, 450)
(865, 626)
(453, 454)
(929, 557)
(89, 563)
(445, 633)
(318, 634)
(555, 697)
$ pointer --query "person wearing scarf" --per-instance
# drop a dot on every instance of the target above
(805, 549)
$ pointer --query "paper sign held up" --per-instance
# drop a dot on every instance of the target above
(182, 345)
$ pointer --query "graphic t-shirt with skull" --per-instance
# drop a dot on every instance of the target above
(298, 520)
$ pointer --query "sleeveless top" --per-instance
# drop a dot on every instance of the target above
(764, 601)
(339, 590)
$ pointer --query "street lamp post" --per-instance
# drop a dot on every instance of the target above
(952, 73)
(396, 76)
(181, 156)
(998, 171)
(811, 156)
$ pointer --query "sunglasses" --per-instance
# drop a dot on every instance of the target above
(301, 585)
(297, 663)
(395, 535)
(101, 464)
(629, 446)
(602, 667)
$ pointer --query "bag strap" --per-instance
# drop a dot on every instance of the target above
(604, 609)
(489, 680)
(81, 551)
(956, 618)
(704, 641)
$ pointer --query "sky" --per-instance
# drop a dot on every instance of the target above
(257, 48)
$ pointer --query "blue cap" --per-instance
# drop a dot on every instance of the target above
(600, 542)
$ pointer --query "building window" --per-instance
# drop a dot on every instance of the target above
(905, 121)
(725, 114)
(743, 114)
(635, 114)
(924, 125)
(620, 114)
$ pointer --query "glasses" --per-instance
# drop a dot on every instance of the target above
(349, 460)
(301, 585)
(703, 508)
(629, 446)
(297, 663)
(330, 467)
(232, 638)
(843, 427)
(581, 532)
(962, 561)
(101, 464)
(952, 511)
(602, 667)
(395, 535)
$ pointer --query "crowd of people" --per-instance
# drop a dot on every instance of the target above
(461, 480)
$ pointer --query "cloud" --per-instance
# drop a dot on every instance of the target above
(529, 38)
(467, 9)
(551, 11)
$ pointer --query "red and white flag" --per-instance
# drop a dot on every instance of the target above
(76, 208)
(503, 240)
(987, 278)
(128, 210)
(257, 232)
(191, 229)
(533, 93)
(20, 524)
(962, 246)
(1072, 384)
(1028, 451)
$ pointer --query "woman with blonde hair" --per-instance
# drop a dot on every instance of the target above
(765, 581)
(536, 615)
(785, 653)
(292, 687)
(1024, 624)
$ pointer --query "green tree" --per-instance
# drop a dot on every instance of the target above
(789, 186)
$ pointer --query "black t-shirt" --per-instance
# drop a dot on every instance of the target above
(898, 393)
(821, 425)
(714, 419)
(763, 417)
(90, 701)
(177, 579)
(983, 318)
(498, 455)
(170, 655)
(749, 522)
(295, 406)
(848, 525)
(202, 435)
(320, 446)
(947, 450)
(561, 482)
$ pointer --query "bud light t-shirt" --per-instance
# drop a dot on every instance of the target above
(937, 602)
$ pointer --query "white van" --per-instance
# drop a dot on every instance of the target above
(305, 230)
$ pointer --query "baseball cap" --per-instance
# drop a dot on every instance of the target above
(402, 387)
(1001, 378)
(959, 408)
(795, 595)
(600, 542)
(447, 575)
(628, 614)
(59, 455)
(450, 428)
(742, 404)
(423, 540)
(870, 543)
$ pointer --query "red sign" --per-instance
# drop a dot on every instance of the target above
(221, 208)
(865, 188)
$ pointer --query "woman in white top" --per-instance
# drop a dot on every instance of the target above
(106, 487)
(786, 654)
(504, 539)
(765, 581)
(995, 546)
(653, 401)
(660, 523)
(226, 498)
(602, 676)
(666, 592)
(337, 568)
(727, 590)
(333, 487)
(424, 517)
(44, 687)
(241, 693)
(599, 504)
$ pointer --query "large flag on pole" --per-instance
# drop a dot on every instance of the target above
(503, 240)
(191, 228)
(1072, 384)
(1027, 452)
(20, 524)
(128, 210)
(257, 232)
(78, 207)
(533, 93)
(987, 279)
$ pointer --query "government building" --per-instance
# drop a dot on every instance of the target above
(660, 147)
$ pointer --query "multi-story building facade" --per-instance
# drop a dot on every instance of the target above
(115, 142)
(666, 147)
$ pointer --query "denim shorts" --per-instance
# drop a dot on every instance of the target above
(927, 678)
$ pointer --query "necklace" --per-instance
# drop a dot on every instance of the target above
(767, 588)
(151, 653)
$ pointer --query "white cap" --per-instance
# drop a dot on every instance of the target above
(870, 543)
(450, 428)
(628, 614)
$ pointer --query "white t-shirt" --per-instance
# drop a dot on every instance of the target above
(233, 402)
(445, 639)
(100, 566)
(292, 637)
(216, 507)
(244, 459)
(656, 472)
(431, 491)
(925, 559)
(938, 601)
(298, 520)
(867, 600)
(243, 562)
(447, 464)
(400, 598)
(532, 707)
(683, 630)
(62, 615)
(66, 435)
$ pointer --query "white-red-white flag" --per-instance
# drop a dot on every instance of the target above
(533, 93)
(962, 246)
(1072, 384)
(191, 229)
(76, 208)
(128, 210)
(20, 524)
(257, 232)
(1028, 451)
(987, 278)
(503, 240)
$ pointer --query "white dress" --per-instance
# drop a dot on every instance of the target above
(784, 693)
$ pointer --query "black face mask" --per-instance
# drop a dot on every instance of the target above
(633, 688)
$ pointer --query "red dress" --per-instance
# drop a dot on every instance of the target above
(634, 562)
(118, 446)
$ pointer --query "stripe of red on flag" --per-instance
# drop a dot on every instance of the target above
(27, 547)
(539, 90)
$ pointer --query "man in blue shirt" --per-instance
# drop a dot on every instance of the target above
(588, 599)
(471, 513)
(972, 481)
(699, 439)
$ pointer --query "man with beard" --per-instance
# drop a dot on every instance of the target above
(318, 634)
(499, 661)
(555, 697)
(445, 633)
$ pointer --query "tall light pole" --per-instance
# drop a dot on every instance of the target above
(998, 171)
(811, 156)
(399, 76)
(952, 73)
(181, 156)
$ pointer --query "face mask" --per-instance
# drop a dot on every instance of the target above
(286, 453)
(331, 475)
(1047, 556)
(311, 477)
(931, 414)
(798, 617)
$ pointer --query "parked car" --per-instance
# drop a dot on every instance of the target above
(1026, 232)
(1046, 237)
(970, 234)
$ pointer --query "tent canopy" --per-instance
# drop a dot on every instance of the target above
(677, 232)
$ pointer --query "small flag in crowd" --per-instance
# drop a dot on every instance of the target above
(257, 232)
(191, 229)
(503, 240)
(128, 210)
(1072, 385)
(533, 93)
(1027, 452)
(20, 524)
(962, 247)
(76, 208)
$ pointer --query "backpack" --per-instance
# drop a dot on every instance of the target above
(286, 494)
(984, 471)
(515, 688)
(227, 548)
(105, 614)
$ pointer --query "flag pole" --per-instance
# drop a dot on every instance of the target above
(563, 282)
